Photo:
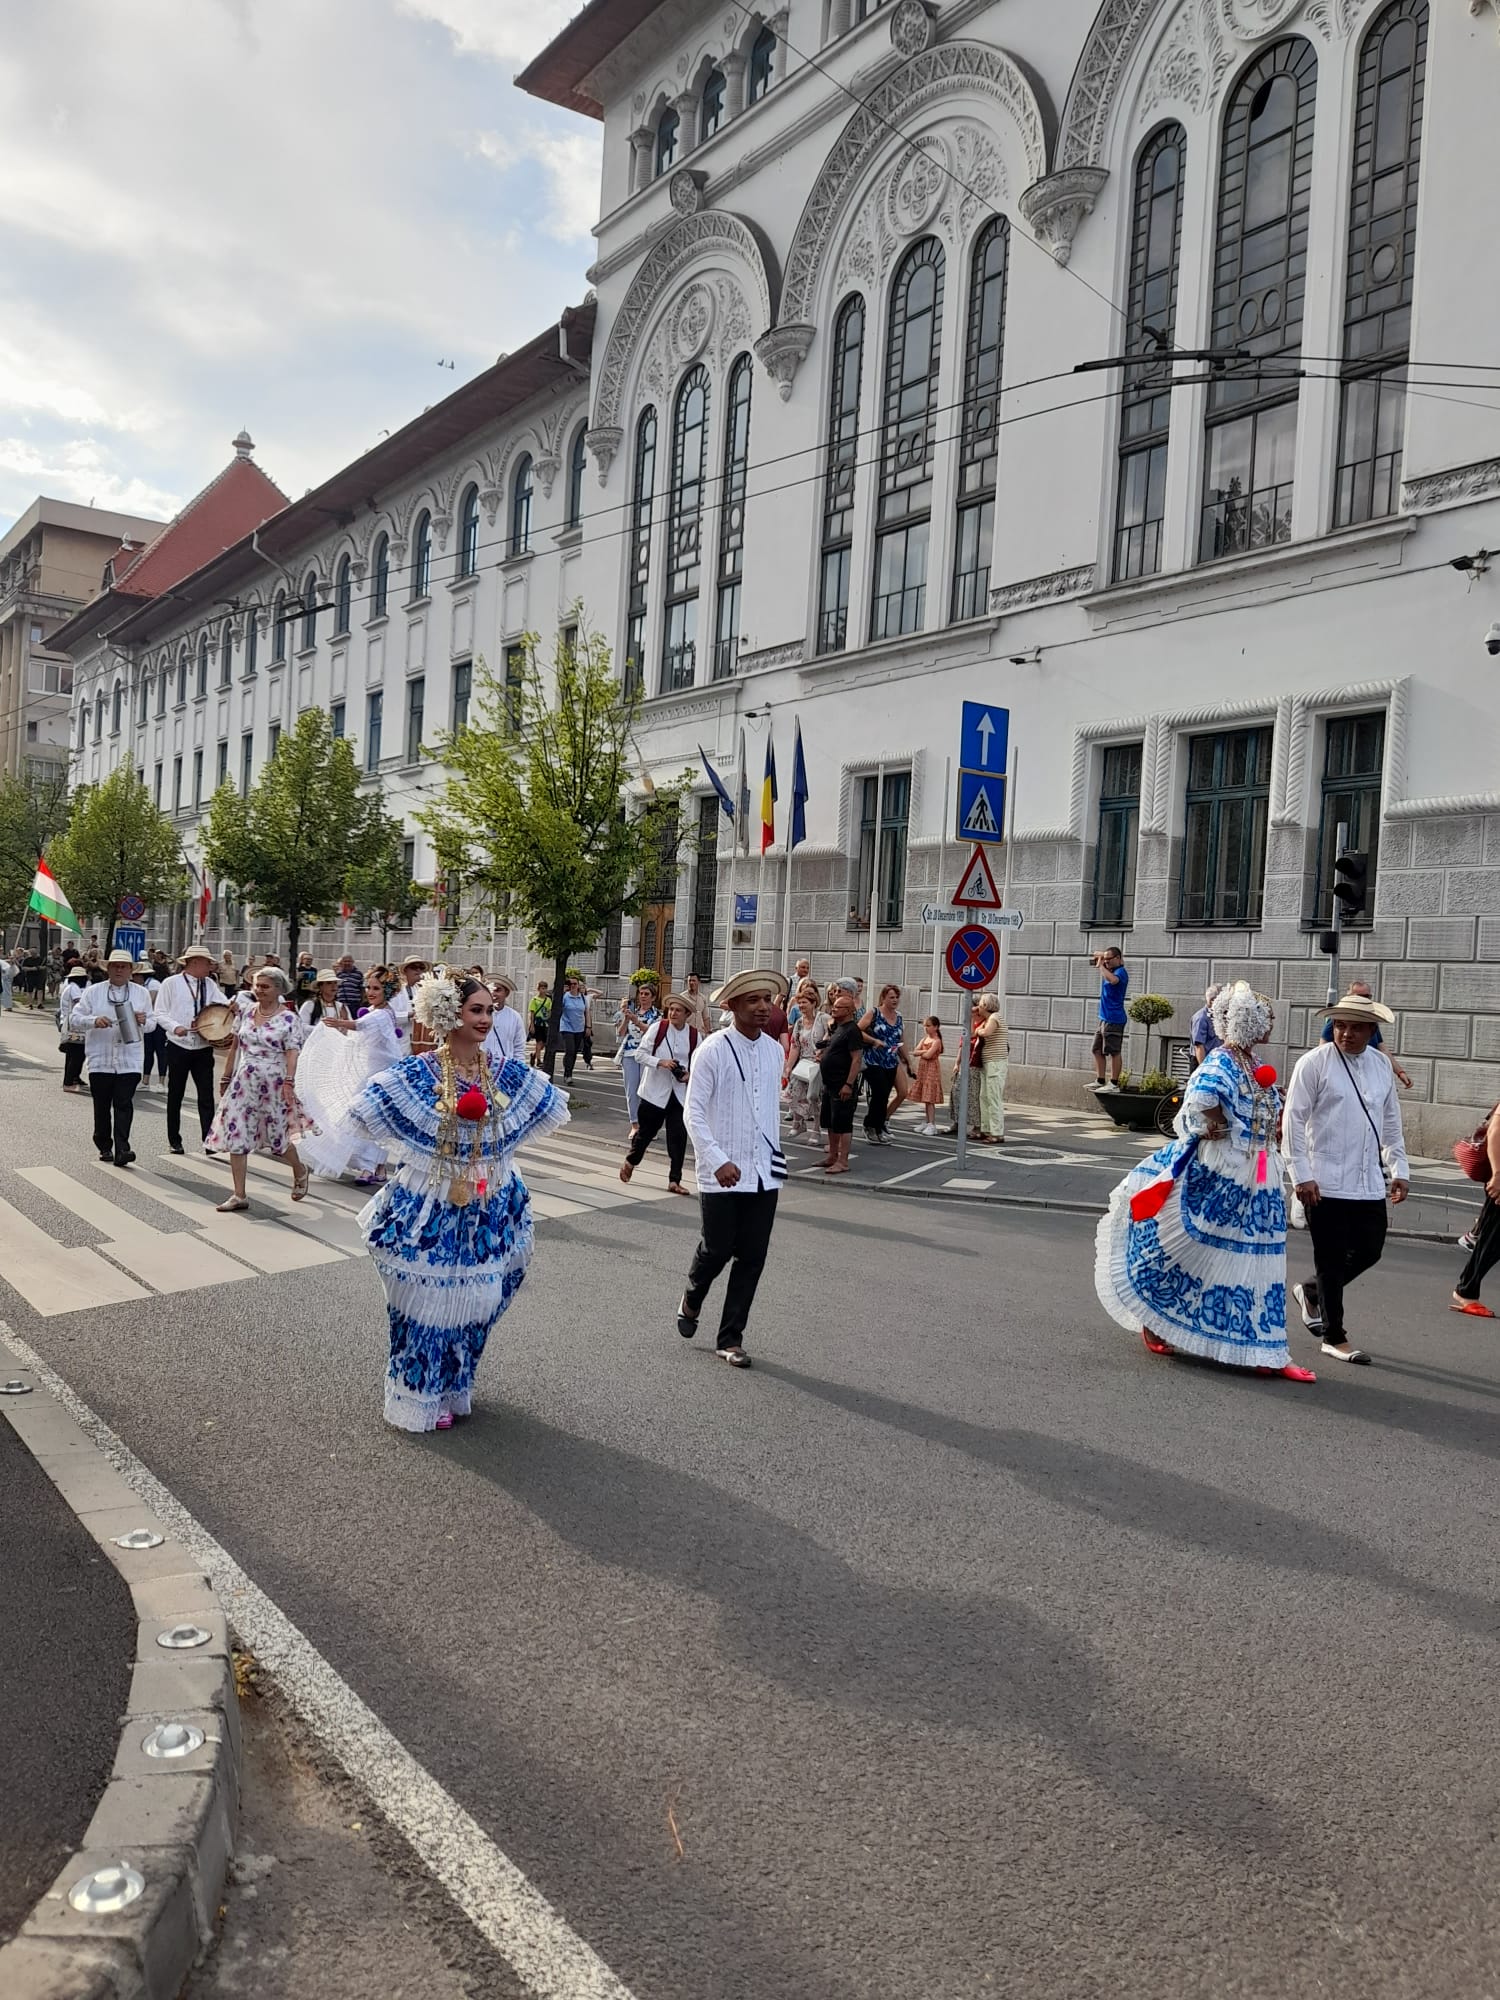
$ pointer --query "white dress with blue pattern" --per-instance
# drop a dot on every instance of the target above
(1207, 1274)
(449, 1270)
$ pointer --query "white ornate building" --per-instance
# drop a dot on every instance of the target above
(841, 468)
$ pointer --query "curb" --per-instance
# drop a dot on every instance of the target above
(169, 1818)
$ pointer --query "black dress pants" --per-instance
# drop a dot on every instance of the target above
(182, 1064)
(1485, 1253)
(571, 1045)
(114, 1108)
(737, 1232)
(73, 1064)
(650, 1118)
(1347, 1238)
(879, 1083)
(155, 1040)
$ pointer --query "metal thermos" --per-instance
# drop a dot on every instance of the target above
(120, 999)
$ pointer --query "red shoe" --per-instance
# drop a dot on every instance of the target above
(1153, 1344)
(1291, 1372)
(1470, 1306)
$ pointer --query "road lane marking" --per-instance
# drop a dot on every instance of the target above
(53, 1280)
(534, 1939)
(323, 1220)
(266, 1245)
(961, 1186)
(913, 1172)
(168, 1262)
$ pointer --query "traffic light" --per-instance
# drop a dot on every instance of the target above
(1351, 883)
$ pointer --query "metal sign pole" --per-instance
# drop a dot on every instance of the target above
(937, 935)
(966, 1029)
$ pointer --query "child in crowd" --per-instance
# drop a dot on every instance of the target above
(928, 1088)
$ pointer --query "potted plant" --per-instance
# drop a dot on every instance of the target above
(1137, 1100)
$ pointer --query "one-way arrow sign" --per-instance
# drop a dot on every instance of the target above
(976, 887)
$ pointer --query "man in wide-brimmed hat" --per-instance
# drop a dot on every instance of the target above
(506, 1040)
(181, 998)
(1342, 1129)
(733, 1113)
(111, 1014)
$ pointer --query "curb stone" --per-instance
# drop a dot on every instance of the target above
(170, 1819)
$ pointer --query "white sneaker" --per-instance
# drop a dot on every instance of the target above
(1466, 1241)
(927, 1131)
(1104, 1089)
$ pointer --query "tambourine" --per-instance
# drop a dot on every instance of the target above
(215, 1024)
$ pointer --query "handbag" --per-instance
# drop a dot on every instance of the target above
(805, 1071)
(1473, 1155)
(976, 1052)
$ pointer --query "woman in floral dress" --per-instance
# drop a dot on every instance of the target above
(1192, 1251)
(257, 1101)
(809, 1026)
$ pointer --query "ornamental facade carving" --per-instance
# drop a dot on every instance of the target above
(1440, 489)
(945, 180)
(710, 320)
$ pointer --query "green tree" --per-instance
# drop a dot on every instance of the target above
(289, 846)
(533, 809)
(32, 812)
(380, 890)
(116, 842)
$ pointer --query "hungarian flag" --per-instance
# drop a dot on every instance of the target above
(49, 902)
(768, 797)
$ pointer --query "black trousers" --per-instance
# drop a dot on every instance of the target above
(650, 1118)
(1485, 1253)
(571, 1045)
(1347, 1238)
(737, 1232)
(73, 1063)
(182, 1064)
(114, 1108)
(879, 1083)
(155, 1040)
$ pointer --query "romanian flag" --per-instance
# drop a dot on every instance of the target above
(768, 798)
(49, 902)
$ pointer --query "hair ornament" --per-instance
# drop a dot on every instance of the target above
(436, 1002)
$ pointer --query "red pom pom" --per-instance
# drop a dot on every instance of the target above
(473, 1105)
(1265, 1076)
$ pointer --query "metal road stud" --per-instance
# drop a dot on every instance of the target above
(179, 1638)
(173, 1739)
(108, 1889)
(140, 1538)
(15, 1387)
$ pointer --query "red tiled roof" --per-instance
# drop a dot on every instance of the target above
(558, 73)
(227, 510)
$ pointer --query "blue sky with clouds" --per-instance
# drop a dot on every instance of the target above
(275, 213)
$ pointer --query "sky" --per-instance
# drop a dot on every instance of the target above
(276, 214)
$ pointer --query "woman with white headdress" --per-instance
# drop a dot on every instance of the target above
(450, 1231)
(1192, 1251)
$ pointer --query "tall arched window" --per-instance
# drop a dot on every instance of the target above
(83, 724)
(278, 628)
(99, 717)
(421, 560)
(380, 577)
(468, 532)
(343, 595)
(1382, 259)
(116, 706)
(202, 687)
(252, 641)
(183, 663)
(1260, 275)
(143, 701)
(838, 475)
(904, 517)
(520, 505)
(979, 430)
(1151, 318)
(577, 466)
(762, 66)
(679, 649)
(711, 105)
(732, 519)
(163, 686)
(642, 504)
(226, 654)
(668, 130)
(309, 610)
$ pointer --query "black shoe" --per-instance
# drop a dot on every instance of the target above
(124, 1159)
(175, 1146)
(106, 1159)
(687, 1325)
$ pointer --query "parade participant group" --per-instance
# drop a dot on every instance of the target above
(418, 1086)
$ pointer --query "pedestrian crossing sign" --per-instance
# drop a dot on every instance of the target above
(981, 806)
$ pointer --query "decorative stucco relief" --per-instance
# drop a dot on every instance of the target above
(710, 321)
(944, 180)
(1462, 482)
(1042, 589)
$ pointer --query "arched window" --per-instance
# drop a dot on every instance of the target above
(838, 475)
(143, 701)
(642, 503)
(1150, 324)
(421, 560)
(1382, 259)
(182, 674)
(278, 627)
(468, 532)
(252, 641)
(711, 105)
(380, 577)
(343, 595)
(668, 128)
(685, 530)
(309, 610)
(762, 64)
(979, 430)
(904, 516)
(732, 519)
(99, 717)
(83, 724)
(226, 654)
(116, 705)
(202, 687)
(1260, 275)
(163, 686)
(577, 466)
(520, 505)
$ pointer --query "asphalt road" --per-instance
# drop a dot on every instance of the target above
(969, 1649)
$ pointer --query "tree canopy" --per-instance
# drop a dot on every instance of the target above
(290, 845)
(116, 843)
(32, 812)
(380, 890)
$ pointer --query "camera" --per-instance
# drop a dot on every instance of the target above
(1492, 640)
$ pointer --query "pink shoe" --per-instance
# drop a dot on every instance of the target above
(445, 1421)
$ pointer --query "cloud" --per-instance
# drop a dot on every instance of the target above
(82, 469)
(570, 164)
(505, 30)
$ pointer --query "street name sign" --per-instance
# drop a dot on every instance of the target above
(972, 957)
(981, 807)
(984, 737)
(946, 915)
(976, 888)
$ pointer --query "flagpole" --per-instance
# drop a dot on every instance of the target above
(937, 929)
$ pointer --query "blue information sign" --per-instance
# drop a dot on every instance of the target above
(972, 957)
(131, 938)
(984, 737)
(981, 807)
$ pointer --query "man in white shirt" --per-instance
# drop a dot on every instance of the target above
(1341, 1117)
(413, 970)
(506, 1040)
(179, 1002)
(665, 1058)
(733, 1112)
(116, 1053)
